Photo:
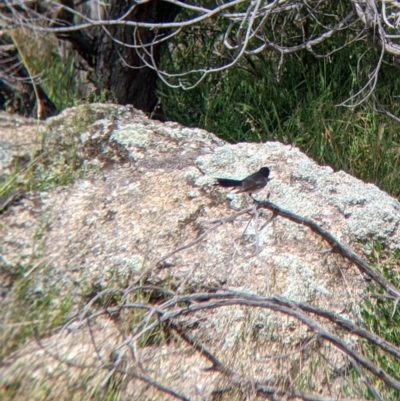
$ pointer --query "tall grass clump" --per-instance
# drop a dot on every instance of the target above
(381, 315)
(52, 63)
(298, 103)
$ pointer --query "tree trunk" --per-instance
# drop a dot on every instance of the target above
(116, 68)
(136, 86)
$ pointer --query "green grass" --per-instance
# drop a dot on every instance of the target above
(382, 317)
(56, 161)
(248, 103)
(28, 313)
(55, 72)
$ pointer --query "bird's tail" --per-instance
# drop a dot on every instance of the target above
(226, 182)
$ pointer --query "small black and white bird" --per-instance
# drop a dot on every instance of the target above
(252, 184)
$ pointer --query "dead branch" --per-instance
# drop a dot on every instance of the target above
(344, 250)
(254, 301)
(216, 224)
(251, 28)
(325, 326)
(170, 310)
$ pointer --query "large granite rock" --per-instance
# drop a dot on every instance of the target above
(149, 190)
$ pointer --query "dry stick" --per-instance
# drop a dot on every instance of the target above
(247, 225)
(268, 221)
(256, 231)
(255, 301)
(342, 249)
(10, 200)
(201, 297)
(204, 297)
(112, 367)
(236, 378)
(131, 347)
(289, 308)
(125, 292)
(93, 340)
(254, 216)
(364, 379)
(216, 363)
(345, 324)
(217, 223)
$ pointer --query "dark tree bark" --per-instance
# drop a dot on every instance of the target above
(81, 41)
(132, 85)
(113, 62)
(110, 63)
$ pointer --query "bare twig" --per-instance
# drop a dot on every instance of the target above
(251, 27)
(365, 380)
(291, 310)
(344, 250)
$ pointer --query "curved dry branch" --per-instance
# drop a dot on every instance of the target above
(251, 26)
(146, 317)
(344, 250)
(247, 28)
(169, 311)
(259, 302)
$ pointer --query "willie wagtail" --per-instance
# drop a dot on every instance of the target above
(252, 184)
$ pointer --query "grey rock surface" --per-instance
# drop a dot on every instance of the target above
(151, 192)
(351, 209)
(17, 141)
